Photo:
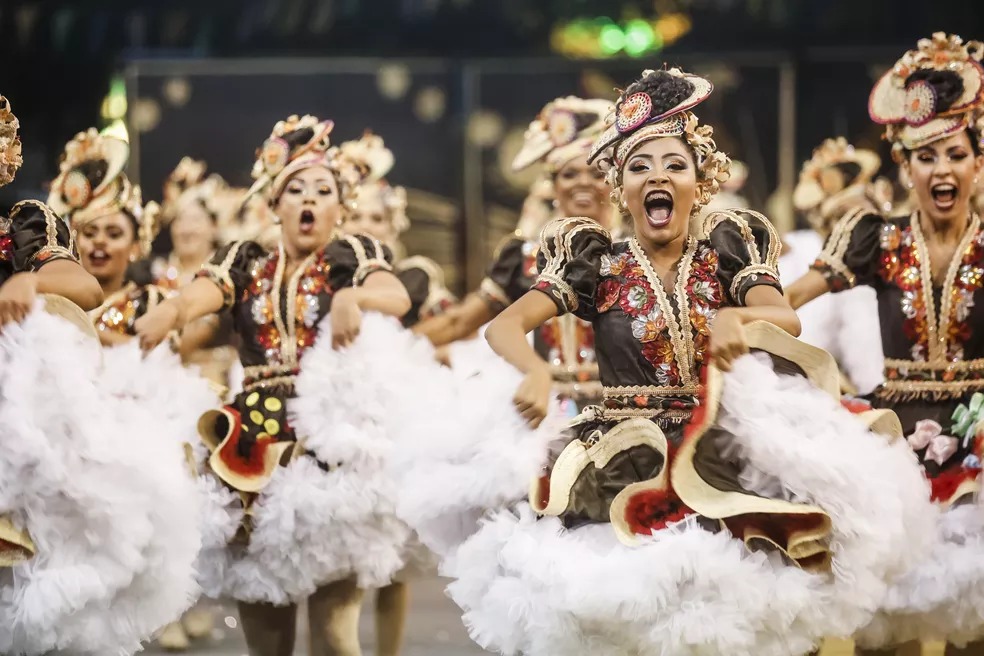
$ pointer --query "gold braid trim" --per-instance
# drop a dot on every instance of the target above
(770, 265)
(838, 242)
(561, 290)
(366, 265)
(913, 365)
(219, 274)
(650, 390)
(754, 270)
(775, 242)
(930, 390)
(51, 250)
(493, 294)
(557, 246)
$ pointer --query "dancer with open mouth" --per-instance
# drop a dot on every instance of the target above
(715, 502)
(927, 269)
(113, 226)
(290, 520)
(100, 530)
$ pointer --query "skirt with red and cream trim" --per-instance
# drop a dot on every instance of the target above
(765, 525)
(288, 515)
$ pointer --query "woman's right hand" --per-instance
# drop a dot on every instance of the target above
(17, 297)
(532, 399)
(154, 327)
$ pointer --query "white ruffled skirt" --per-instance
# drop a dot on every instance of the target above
(92, 468)
(529, 586)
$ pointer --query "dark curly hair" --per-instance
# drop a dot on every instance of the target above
(947, 84)
(667, 91)
(94, 171)
(298, 138)
(849, 170)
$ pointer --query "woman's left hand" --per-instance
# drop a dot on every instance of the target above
(346, 318)
(17, 297)
(727, 338)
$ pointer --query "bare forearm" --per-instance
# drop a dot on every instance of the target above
(783, 317)
(457, 323)
(200, 298)
(506, 337)
(765, 303)
(381, 292)
(507, 332)
(69, 279)
(810, 286)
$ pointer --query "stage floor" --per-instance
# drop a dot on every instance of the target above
(433, 629)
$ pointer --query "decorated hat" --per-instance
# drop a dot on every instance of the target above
(655, 106)
(10, 144)
(91, 184)
(296, 143)
(188, 173)
(371, 156)
(932, 92)
(563, 130)
(858, 165)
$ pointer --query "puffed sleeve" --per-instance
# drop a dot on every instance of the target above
(38, 236)
(570, 264)
(230, 268)
(852, 252)
(352, 258)
(509, 276)
(424, 281)
(747, 247)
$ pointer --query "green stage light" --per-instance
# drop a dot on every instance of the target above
(611, 39)
(639, 38)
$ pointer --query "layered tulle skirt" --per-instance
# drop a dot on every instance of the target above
(100, 511)
(940, 597)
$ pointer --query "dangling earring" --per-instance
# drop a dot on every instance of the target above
(276, 219)
(909, 184)
(622, 205)
(555, 204)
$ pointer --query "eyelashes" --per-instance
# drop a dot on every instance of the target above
(322, 191)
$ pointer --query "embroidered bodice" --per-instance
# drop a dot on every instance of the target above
(652, 342)
(932, 350)
(277, 316)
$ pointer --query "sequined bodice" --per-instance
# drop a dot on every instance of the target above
(277, 316)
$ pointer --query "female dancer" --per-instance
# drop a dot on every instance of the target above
(278, 299)
(113, 228)
(837, 178)
(928, 272)
(697, 510)
(104, 545)
(559, 137)
(38, 251)
(380, 211)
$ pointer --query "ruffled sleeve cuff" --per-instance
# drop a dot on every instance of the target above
(748, 247)
(39, 236)
(229, 268)
(570, 261)
(851, 252)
